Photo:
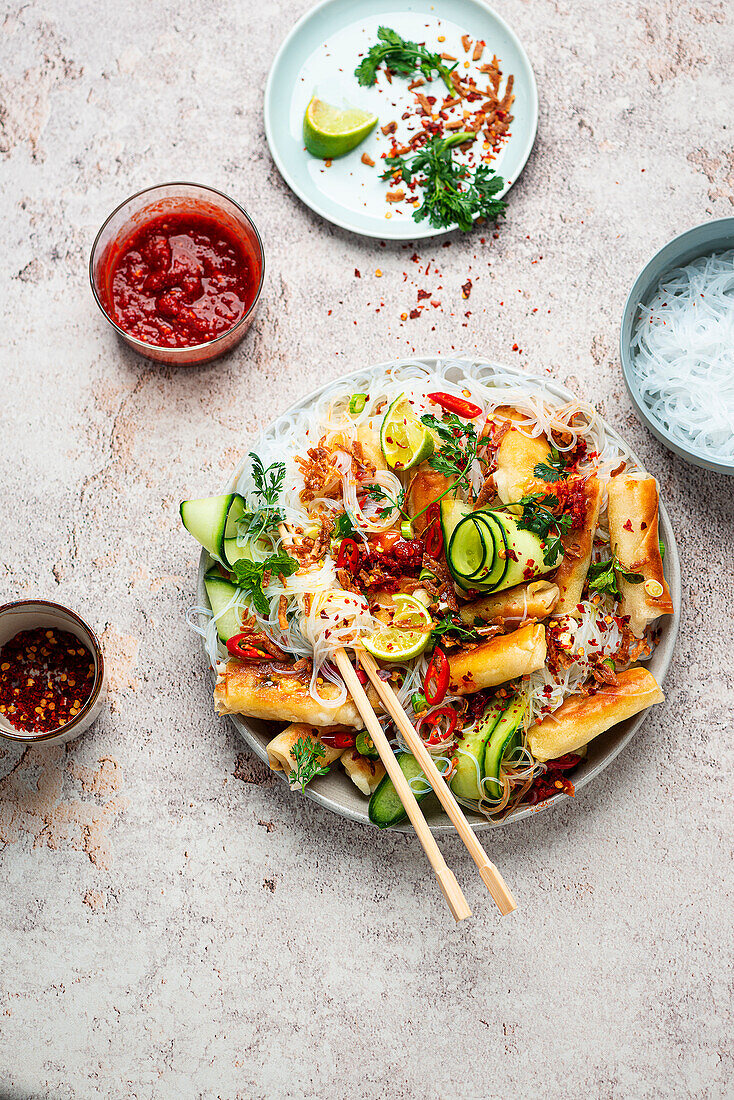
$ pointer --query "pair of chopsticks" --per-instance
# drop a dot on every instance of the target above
(491, 877)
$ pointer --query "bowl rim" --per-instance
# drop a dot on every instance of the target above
(99, 677)
(188, 347)
(666, 646)
(670, 252)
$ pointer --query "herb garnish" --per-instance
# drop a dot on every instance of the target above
(538, 518)
(265, 515)
(553, 469)
(452, 193)
(309, 757)
(450, 625)
(344, 527)
(661, 546)
(376, 492)
(403, 57)
(250, 576)
(603, 575)
(419, 702)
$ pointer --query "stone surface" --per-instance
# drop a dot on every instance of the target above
(174, 923)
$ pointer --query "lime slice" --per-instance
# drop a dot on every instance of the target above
(404, 440)
(330, 132)
(406, 636)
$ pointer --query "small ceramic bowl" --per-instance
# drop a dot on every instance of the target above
(702, 240)
(35, 614)
(176, 198)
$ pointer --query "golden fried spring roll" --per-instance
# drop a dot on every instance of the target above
(426, 486)
(280, 749)
(582, 717)
(525, 601)
(364, 773)
(577, 547)
(498, 660)
(633, 533)
(260, 692)
(368, 439)
(516, 458)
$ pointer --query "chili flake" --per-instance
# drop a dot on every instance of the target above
(46, 677)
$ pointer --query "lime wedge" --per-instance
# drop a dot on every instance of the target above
(406, 636)
(404, 440)
(330, 132)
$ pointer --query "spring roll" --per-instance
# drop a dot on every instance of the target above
(633, 533)
(427, 485)
(526, 601)
(577, 547)
(260, 692)
(368, 444)
(280, 749)
(516, 457)
(364, 773)
(498, 660)
(582, 717)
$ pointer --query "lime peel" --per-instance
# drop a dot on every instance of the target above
(404, 440)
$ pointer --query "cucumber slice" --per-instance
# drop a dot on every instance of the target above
(471, 550)
(499, 744)
(385, 808)
(452, 512)
(500, 564)
(469, 756)
(233, 552)
(219, 593)
(212, 519)
(527, 561)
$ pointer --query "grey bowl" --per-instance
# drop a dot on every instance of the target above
(715, 236)
(336, 791)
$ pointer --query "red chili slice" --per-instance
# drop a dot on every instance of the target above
(435, 737)
(338, 740)
(348, 555)
(240, 646)
(438, 674)
(456, 405)
(433, 539)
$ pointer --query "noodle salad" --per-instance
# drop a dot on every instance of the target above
(490, 545)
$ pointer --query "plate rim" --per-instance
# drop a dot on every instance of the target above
(423, 230)
(666, 645)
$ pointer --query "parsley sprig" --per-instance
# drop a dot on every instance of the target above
(403, 57)
(553, 469)
(391, 503)
(263, 513)
(250, 576)
(538, 517)
(603, 575)
(453, 193)
(310, 762)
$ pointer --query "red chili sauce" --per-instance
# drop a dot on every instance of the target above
(46, 677)
(181, 279)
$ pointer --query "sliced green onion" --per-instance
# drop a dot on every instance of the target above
(427, 575)
(357, 403)
(661, 544)
(418, 702)
(406, 529)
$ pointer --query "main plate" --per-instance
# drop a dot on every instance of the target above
(335, 791)
(320, 54)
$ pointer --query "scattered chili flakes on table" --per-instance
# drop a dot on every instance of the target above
(46, 677)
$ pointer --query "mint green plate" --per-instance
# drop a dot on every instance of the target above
(319, 57)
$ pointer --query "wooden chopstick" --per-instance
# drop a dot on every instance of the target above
(446, 879)
(490, 875)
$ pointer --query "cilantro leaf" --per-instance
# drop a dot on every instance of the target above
(403, 57)
(453, 193)
(602, 576)
(450, 625)
(310, 761)
(250, 576)
(538, 517)
(553, 469)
